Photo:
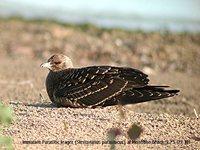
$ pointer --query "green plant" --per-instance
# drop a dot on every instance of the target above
(6, 116)
(112, 134)
(134, 132)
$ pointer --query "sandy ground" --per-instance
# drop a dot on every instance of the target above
(42, 124)
(168, 58)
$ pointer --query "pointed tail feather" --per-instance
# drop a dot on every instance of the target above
(144, 94)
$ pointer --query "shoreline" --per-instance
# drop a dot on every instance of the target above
(84, 26)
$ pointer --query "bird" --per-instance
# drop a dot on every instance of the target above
(98, 86)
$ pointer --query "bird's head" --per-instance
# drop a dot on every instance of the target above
(58, 62)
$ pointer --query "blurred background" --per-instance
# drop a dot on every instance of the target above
(161, 38)
(154, 15)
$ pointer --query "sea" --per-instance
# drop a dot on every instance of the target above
(145, 15)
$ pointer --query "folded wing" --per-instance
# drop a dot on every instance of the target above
(92, 86)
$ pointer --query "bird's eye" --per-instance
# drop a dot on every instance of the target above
(57, 62)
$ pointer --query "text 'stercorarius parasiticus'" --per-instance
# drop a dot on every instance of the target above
(95, 86)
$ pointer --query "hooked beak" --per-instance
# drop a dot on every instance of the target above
(46, 65)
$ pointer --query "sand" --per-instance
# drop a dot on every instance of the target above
(68, 128)
(168, 59)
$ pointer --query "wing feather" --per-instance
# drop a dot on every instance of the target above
(92, 86)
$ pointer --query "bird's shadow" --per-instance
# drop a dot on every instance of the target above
(50, 105)
(53, 105)
(40, 105)
(44, 105)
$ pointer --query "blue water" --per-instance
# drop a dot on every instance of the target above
(150, 15)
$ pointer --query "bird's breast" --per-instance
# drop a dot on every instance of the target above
(50, 85)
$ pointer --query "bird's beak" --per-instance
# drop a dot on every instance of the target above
(46, 65)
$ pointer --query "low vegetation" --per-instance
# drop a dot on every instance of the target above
(6, 116)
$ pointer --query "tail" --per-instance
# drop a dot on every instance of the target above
(144, 94)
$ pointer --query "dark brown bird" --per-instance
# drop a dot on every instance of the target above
(95, 86)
